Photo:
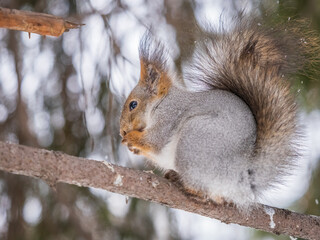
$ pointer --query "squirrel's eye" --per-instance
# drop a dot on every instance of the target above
(133, 105)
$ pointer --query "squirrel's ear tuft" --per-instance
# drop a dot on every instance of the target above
(153, 52)
(156, 66)
(153, 60)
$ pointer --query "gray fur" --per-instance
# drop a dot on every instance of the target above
(216, 132)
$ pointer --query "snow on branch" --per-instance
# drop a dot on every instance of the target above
(54, 167)
(32, 22)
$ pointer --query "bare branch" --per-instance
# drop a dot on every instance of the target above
(40, 23)
(55, 167)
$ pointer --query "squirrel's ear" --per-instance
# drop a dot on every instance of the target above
(150, 76)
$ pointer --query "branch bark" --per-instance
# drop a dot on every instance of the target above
(54, 167)
(31, 22)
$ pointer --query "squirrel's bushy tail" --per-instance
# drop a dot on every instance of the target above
(256, 63)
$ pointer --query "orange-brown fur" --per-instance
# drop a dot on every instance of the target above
(134, 131)
(164, 82)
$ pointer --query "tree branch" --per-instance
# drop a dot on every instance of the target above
(40, 23)
(55, 167)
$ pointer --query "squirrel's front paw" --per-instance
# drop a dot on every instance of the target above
(132, 140)
(133, 149)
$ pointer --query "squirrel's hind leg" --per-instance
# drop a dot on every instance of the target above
(192, 193)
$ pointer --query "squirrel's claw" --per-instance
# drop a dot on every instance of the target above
(131, 147)
(136, 151)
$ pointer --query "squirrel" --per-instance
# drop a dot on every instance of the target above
(232, 133)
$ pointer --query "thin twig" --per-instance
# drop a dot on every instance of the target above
(31, 22)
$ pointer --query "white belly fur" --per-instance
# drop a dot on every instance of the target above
(166, 158)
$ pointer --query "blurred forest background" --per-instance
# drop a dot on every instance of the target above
(66, 93)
